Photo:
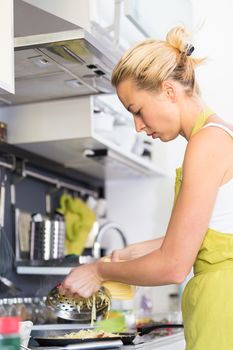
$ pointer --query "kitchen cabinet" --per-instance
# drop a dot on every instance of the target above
(54, 112)
(124, 21)
(67, 132)
(7, 47)
(105, 19)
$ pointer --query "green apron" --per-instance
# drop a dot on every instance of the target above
(207, 301)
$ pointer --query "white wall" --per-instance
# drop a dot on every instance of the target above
(214, 40)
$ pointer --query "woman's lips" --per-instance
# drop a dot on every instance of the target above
(154, 135)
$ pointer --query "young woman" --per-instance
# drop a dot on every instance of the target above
(155, 81)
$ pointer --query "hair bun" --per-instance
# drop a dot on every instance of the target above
(178, 37)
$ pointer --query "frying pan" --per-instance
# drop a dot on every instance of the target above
(126, 337)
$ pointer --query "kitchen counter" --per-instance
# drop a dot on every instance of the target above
(171, 342)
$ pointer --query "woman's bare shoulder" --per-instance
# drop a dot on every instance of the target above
(209, 141)
(209, 152)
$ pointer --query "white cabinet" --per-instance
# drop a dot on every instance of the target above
(7, 46)
(67, 131)
(74, 11)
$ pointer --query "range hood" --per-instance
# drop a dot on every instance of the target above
(56, 59)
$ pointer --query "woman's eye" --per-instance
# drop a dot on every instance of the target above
(138, 112)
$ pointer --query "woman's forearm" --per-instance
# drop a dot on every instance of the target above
(146, 247)
(148, 270)
(136, 250)
(152, 244)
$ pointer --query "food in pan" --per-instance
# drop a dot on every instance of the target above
(87, 334)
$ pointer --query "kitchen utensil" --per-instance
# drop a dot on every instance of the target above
(25, 332)
(78, 309)
(7, 255)
(6, 251)
(24, 347)
(22, 234)
(127, 338)
(8, 287)
(47, 237)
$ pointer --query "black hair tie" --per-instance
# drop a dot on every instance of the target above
(189, 49)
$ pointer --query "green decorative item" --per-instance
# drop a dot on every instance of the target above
(79, 220)
(116, 324)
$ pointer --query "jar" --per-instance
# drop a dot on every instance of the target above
(175, 315)
(12, 309)
(21, 309)
(9, 333)
(174, 302)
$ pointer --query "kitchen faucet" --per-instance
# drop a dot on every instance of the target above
(96, 250)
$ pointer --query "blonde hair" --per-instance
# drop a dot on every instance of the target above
(150, 62)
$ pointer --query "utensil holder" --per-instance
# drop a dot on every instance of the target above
(47, 239)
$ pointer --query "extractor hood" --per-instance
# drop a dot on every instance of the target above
(56, 59)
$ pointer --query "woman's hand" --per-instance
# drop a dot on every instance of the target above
(83, 281)
(136, 250)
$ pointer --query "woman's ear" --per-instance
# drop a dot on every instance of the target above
(170, 90)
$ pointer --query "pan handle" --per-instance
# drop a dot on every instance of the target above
(147, 329)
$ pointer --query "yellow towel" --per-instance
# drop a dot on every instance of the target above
(79, 220)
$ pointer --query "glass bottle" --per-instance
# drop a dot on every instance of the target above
(9, 333)
(3, 311)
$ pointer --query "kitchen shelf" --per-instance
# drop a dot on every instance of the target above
(54, 267)
(43, 270)
(11, 154)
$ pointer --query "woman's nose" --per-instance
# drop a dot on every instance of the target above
(139, 125)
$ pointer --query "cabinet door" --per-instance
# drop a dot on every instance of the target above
(7, 46)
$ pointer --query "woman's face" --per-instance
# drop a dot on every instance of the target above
(157, 114)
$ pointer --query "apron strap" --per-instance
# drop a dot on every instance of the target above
(201, 119)
(199, 123)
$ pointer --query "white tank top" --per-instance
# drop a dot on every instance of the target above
(222, 215)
